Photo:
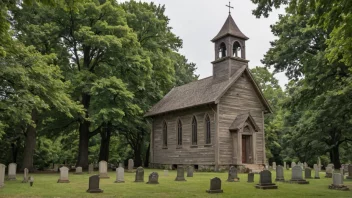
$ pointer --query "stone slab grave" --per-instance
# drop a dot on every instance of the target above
(307, 173)
(130, 165)
(274, 165)
(305, 165)
(2, 175)
(316, 172)
(279, 173)
(250, 177)
(11, 175)
(79, 170)
(120, 175)
(153, 178)
(215, 186)
(139, 175)
(63, 175)
(328, 172)
(190, 170)
(180, 174)
(297, 176)
(337, 183)
(349, 176)
(166, 172)
(103, 170)
(232, 176)
(90, 168)
(25, 175)
(94, 184)
(265, 181)
(293, 164)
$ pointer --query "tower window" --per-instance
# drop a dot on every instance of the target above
(179, 133)
(207, 130)
(194, 131)
(237, 50)
(165, 134)
(222, 50)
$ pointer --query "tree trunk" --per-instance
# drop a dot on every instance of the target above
(14, 150)
(137, 156)
(335, 157)
(30, 143)
(146, 162)
(82, 159)
(105, 143)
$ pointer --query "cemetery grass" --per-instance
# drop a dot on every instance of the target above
(45, 186)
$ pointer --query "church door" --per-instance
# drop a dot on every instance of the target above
(244, 149)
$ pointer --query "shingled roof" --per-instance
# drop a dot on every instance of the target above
(230, 28)
(240, 120)
(204, 91)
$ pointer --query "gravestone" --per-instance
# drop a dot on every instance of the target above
(301, 165)
(120, 175)
(121, 165)
(153, 178)
(250, 177)
(25, 175)
(2, 175)
(139, 175)
(166, 172)
(103, 170)
(190, 170)
(285, 165)
(279, 173)
(63, 175)
(56, 167)
(293, 164)
(79, 170)
(319, 164)
(90, 168)
(265, 181)
(180, 174)
(345, 169)
(274, 165)
(305, 165)
(341, 172)
(337, 183)
(328, 172)
(232, 176)
(316, 171)
(12, 171)
(297, 176)
(215, 186)
(349, 172)
(307, 173)
(130, 165)
(94, 184)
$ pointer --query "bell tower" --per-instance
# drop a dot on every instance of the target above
(230, 50)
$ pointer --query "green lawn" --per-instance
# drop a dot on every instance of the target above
(45, 186)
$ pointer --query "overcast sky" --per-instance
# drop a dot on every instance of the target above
(196, 22)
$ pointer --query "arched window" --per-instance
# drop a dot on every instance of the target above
(179, 133)
(222, 50)
(237, 50)
(164, 134)
(194, 131)
(207, 130)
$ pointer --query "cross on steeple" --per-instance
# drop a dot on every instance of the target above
(229, 7)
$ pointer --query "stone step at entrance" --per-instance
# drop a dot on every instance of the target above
(254, 168)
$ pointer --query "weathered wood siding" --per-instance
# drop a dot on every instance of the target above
(240, 98)
(188, 154)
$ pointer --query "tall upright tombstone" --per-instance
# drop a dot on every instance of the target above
(153, 178)
(103, 170)
(297, 176)
(25, 175)
(180, 174)
(94, 184)
(280, 173)
(2, 175)
(63, 175)
(250, 177)
(307, 173)
(130, 165)
(90, 168)
(265, 181)
(349, 176)
(293, 164)
(316, 171)
(319, 164)
(337, 183)
(285, 165)
(190, 170)
(232, 176)
(139, 175)
(274, 165)
(12, 171)
(215, 186)
(120, 175)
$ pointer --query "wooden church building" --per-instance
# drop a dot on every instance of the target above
(214, 122)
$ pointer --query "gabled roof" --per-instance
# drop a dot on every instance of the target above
(230, 28)
(240, 120)
(201, 92)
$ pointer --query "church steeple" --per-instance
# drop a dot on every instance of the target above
(230, 29)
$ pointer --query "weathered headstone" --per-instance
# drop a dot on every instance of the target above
(103, 170)
(345, 169)
(328, 172)
(215, 186)
(180, 174)
(265, 181)
(79, 170)
(285, 165)
(349, 172)
(94, 184)
(274, 165)
(166, 172)
(305, 165)
(63, 175)
(130, 165)
(319, 164)
(25, 175)
(250, 177)
(12, 171)
(120, 175)
(190, 170)
(279, 173)
(341, 172)
(56, 167)
(316, 171)
(293, 164)
(232, 176)
(337, 183)
(139, 175)
(297, 176)
(301, 165)
(90, 168)
(2, 175)
(307, 173)
(153, 178)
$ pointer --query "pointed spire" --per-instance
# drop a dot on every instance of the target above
(230, 28)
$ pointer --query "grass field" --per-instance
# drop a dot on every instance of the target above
(45, 186)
